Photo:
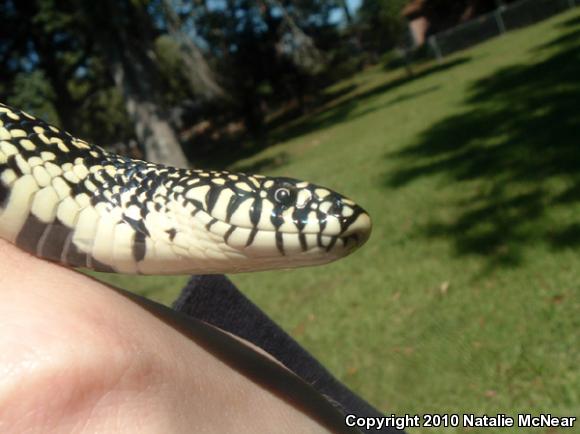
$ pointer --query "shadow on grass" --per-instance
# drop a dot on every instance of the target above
(519, 141)
(343, 110)
(326, 110)
(226, 140)
(572, 22)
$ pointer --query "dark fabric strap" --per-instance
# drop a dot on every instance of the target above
(216, 300)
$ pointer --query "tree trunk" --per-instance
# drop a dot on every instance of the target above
(54, 70)
(124, 37)
(201, 77)
(346, 11)
(152, 126)
(303, 51)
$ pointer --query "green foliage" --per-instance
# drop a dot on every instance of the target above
(32, 92)
(173, 70)
(49, 67)
(52, 17)
(382, 26)
(104, 119)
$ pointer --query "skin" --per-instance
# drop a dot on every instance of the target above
(79, 356)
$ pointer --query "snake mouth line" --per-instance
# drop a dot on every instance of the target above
(287, 243)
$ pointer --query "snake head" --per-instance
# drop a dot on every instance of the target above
(275, 222)
(320, 218)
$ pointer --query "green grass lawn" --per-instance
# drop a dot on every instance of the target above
(466, 299)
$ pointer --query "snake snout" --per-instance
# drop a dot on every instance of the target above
(359, 230)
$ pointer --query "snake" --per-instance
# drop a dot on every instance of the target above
(65, 200)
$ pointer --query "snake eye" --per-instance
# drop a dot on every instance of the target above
(284, 196)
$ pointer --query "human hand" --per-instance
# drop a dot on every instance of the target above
(79, 356)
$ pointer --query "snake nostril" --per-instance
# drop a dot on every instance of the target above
(359, 229)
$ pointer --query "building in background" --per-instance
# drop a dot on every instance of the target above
(427, 17)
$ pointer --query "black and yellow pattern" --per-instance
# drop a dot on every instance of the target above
(65, 200)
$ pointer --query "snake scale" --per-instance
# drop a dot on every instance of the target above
(74, 203)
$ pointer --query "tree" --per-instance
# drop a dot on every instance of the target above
(201, 78)
(49, 67)
(294, 42)
(111, 69)
(125, 37)
(346, 11)
(45, 44)
(382, 26)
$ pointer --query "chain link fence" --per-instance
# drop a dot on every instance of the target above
(503, 19)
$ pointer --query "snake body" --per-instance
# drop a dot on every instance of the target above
(74, 203)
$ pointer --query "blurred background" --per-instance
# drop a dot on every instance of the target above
(455, 123)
